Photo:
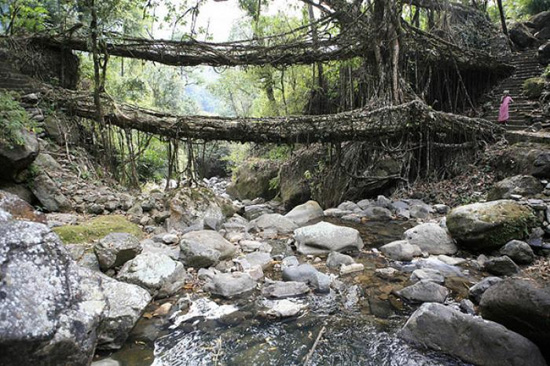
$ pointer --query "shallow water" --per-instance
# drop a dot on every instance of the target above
(351, 335)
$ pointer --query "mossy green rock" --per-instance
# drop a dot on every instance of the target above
(533, 87)
(253, 180)
(490, 225)
(96, 229)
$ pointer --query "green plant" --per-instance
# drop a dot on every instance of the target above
(275, 183)
(13, 119)
(533, 87)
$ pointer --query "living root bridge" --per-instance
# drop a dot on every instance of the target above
(410, 118)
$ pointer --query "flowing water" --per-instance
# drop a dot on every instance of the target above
(357, 324)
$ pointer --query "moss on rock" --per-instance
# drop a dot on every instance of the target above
(96, 229)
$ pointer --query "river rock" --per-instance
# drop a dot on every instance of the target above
(521, 306)
(261, 259)
(127, 303)
(283, 308)
(501, 266)
(205, 248)
(485, 226)
(19, 209)
(427, 274)
(470, 338)
(304, 213)
(115, 249)
(230, 285)
(253, 179)
(282, 289)
(377, 213)
(308, 274)
(419, 211)
(431, 238)
(278, 222)
(477, 290)
(335, 260)
(150, 246)
(49, 194)
(50, 307)
(157, 273)
(523, 185)
(16, 157)
(424, 291)
(351, 268)
(519, 251)
(323, 238)
(438, 265)
(401, 250)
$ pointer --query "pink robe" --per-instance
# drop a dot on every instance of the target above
(503, 115)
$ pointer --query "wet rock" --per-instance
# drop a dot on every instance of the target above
(424, 291)
(282, 289)
(127, 303)
(50, 307)
(205, 248)
(116, 249)
(19, 209)
(16, 157)
(470, 338)
(157, 273)
(308, 274)
(377, 213)
(484, 226)
(388, 273)
(523, 185)
(501, 266)
(519, 251)
(401, 250)
(335, 260)
(230, 285)
(431, 238)
(304, 213)
(479, 288)
(49, 194)
(427, 274)
(283, 308)
(434, 263)
(521, 306)
(278, 222)
(323, 238)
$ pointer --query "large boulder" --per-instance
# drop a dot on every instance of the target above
(431, 238)
(16, 157)
(521, 35)
(274, 221)
(48, 314)
(521, 306)
(304, 213)
(323, 238)
(294, 185)
(470, 338)
(501, 266)
(49, 194)
(197, 209)
(523, 185)
(19, 209)
(490, 225)
(157, 273)
(205, 248)
(544, 54)
(526, 158)
(116, 249)
(519, 251)
(254, 179)
(540, 20)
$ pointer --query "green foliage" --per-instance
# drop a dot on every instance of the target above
(238, 153)
(533, 7)
(533, 87)
(22, 16)
(96, 229)
(13, 119)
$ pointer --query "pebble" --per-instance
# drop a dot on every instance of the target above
(350, 268)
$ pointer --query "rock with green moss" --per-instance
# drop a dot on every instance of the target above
(96, 229)
(254, 179)
(490, 225)
(533, 87)
(523, 185)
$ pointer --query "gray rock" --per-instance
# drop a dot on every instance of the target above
(444, 268)
(383, 201)
(336, 212)
(282, 289)
(424, 291)
(170, 238)
(431, 238)
(308, 274)
(519, 251)
(14, 158)
(477, 290)
(335, 260)
(150, 246)
(489, 225)
(501, 266)
(304, 213)
(388, 273)
(470, 338)
(157, 273)
(127, 303)
(467, 307)
(364, 204)
(523, 185)
(49, 194)
(261, 259)
(377, 213)
(427, 274)
(401, 250)
(96, 209)
(278, 222)
(196, 209)
(291, 261)
(116, 249)
(230, 285)
(282, 308)
(50, 307)
(442, 209)
(521, 36)
(205, 248)
(349, 206)
(323, 238)
(452, 261)
(521, 306)
(419, 211)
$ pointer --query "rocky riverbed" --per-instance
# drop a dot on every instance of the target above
(215, 281)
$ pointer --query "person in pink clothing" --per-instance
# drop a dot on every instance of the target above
(503, 114)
